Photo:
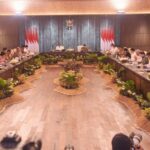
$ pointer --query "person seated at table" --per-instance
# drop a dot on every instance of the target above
(133, 54)
(120, 52)
(144, 57)
(114, 50)
(148, 55)
(17, 56)
(26, 51)
(138, 56)
(18, 52)
(15, 52)
(6, 55)
(123, 55)
(9, 54)
(127, 53)
(59, 47)
(79, 48)
(84, 48)
(12, 51)
(2, 58)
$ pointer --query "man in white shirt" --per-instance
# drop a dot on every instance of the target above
(114, 50)
(26, 51)
(137, 56)
(79, 48)
(133, 54)
(60, 47)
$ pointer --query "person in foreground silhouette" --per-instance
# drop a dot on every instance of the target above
(10, 140)
(33, 145)
(123, 142)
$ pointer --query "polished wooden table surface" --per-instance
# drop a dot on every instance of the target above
(8, 70)
(138, 75)
(133, 67)
(87, 121)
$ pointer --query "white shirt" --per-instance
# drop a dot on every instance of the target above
(133, 56)
(60, 48)
(79, 48)
(114, 51)
(25, 50)
(139, 59)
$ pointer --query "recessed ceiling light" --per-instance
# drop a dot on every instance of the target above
(120, 4)
(18, 6)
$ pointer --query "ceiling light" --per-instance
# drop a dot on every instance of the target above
(120, 4)
(18, 6)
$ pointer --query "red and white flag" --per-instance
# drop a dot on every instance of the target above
(32, 40)
(107, 38)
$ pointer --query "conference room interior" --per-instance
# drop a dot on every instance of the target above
(75, 75)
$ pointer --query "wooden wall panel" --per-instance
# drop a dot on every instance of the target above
(9, 32)
(135, 31)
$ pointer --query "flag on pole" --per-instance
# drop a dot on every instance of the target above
(32, 39)
(107, 38)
